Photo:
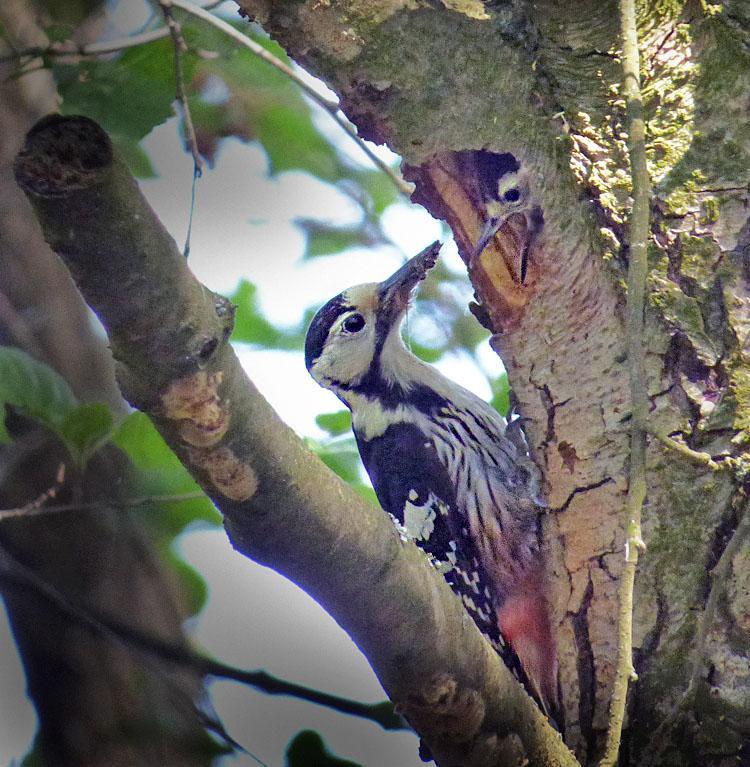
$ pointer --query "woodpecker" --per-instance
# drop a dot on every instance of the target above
(443, 466)
(503, 190)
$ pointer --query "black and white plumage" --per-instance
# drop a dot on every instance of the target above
(441, 465)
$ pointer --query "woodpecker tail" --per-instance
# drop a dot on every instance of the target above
(524, 622)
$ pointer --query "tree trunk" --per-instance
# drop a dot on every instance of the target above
(98, 703)
(543, 82)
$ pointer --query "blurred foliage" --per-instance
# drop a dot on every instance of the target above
(501, 394)
(158, 476)
(307, 749)
(39, 392)
(323, 238)
(336, 423)
(251, 326)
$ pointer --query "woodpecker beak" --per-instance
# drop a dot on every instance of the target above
(395, 292)
(490, 230)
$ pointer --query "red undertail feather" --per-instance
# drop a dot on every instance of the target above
(524, 622)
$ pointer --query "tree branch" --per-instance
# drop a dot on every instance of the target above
(702, 459)
(282, 507)
(637, 272)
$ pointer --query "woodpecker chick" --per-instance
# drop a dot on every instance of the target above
(504, 191)
(442, 465)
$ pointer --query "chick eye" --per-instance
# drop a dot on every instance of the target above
(354, 324)
(513, 195)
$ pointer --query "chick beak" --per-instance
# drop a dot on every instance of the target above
(395, 292)
(488, 232)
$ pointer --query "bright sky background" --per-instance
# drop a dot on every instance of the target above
(244, 227)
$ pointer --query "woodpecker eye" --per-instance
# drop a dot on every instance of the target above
(513, 195)
(354, 324)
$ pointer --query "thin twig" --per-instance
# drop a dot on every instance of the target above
(33, 509)
(70, 49)
(33, 506)
(183, 656)
(719, 577)
(191, 140)
(703, 459)
(330, 106)
(637, 271)
(14, 570)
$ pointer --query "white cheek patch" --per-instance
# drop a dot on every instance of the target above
(346, 357)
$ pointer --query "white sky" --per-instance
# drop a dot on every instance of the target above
(243, 227)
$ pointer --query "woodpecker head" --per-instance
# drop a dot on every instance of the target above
(347, 336)
(504, 190)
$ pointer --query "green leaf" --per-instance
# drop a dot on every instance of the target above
(58, 33)
(336, 423)
(194, 589)
(426, 353)
(85, 429)
(158, 472)
(273, 108)
(379, 188)
(292, 142)
(135, 158)
(501, 394)
(34, 388)
(307, 749)
(325, 239)
(41, 393)
(128, 95)
(251, 327)
(341, 456)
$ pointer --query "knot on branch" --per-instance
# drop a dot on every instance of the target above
(443, 707)
(194, 401)
(62, 154)
(226, 473)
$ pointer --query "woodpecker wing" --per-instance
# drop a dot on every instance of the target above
(495, 485)
(414, 487)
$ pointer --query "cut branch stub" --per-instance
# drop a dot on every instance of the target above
(93, 215)
(282, 506)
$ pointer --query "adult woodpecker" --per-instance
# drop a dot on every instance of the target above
(442, 465)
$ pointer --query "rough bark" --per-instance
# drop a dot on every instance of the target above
(97, 703)
(282, 506)
(542, 81)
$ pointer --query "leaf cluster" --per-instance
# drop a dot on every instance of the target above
(40, 393)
